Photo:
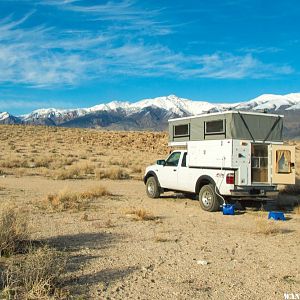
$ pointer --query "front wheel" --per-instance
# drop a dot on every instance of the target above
(208, 198)
(152, 188)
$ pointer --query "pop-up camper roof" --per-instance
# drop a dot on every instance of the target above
(259, 127)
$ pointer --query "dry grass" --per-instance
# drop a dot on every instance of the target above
(265, 226)
(35, 275)
(140, 214)
(26, 273)
(137, 169)
(67, 200)
(13, 231)
(109, 224)
(114, 173)
(71, 153)
(74, 172)
(96, 192)
(159, 239)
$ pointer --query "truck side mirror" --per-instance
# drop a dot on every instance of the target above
(161, 162)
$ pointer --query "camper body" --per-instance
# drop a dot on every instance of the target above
(224, 156)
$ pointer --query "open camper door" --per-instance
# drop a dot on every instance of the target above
(283, 164)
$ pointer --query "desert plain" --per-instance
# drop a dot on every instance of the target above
(76, 224)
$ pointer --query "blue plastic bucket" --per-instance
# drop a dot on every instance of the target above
(276, 215)
(228, 209)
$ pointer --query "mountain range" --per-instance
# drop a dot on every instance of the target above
(153, 114)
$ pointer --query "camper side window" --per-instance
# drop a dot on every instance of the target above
(215, 127)
(181, 130)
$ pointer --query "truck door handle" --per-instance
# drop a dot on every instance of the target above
(174, 170)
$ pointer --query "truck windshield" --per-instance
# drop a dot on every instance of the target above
(173, 159)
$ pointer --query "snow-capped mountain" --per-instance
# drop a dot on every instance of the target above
(4, 116)
(172, 103)
(7, 118)
(151, 113)
(272, 102)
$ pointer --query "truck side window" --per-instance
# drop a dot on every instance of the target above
(173, 159)
(183, 163)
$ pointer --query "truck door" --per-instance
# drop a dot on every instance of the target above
(167, 174)
(283, 164)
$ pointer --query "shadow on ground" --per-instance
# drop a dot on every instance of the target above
(83, 248)
(79, 241)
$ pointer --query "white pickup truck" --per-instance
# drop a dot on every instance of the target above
(213, 185)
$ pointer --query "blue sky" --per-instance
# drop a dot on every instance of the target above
(72, 53)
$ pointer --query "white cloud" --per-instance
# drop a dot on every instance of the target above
(44, 56)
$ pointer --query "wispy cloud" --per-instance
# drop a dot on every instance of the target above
(45, 56)
(29, 104)
(125, 15)
(258, 50)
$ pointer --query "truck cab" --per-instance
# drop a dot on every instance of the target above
(174, 174)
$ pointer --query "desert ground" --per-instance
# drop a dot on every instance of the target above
(76, 224)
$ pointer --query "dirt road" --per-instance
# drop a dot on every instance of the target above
(181, 252)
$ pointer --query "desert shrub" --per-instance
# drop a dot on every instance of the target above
(140, 214)
(14, 163)
(95, 193)
(119, 162)
(42, 162)
(74, 172)
(13, 231)
(136, 169)
(35, 275)
(20, 172)
(71, 173)
(67, 200)
(112, 173)
(265, 226)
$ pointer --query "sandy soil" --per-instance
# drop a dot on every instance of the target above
(114, 256)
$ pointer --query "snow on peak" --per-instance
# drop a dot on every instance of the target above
(52, 113)
(176, 104)
(4, 115)
(172, 103)
(270, 101)
(109, 106)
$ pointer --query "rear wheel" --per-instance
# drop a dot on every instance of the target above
(152, 188)
(208, 198)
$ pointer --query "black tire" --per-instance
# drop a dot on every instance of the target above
(152, 188)
(209, 200)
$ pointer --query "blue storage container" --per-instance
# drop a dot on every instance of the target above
(276, 215)
(228, 209)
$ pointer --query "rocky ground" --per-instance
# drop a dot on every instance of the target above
(127, 246)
